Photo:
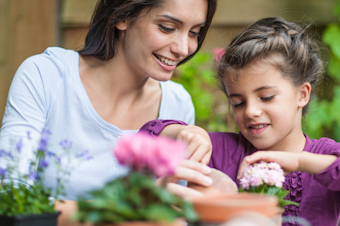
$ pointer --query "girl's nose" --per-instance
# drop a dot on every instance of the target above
(252, 110)
(180, 46)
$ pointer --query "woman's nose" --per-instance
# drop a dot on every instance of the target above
(180, 46)
(252, 110)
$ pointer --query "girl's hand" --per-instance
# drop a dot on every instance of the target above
(199, 144)
(191, 171)
(289, 161)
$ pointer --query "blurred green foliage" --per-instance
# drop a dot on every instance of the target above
(324, 118)
(211, 105)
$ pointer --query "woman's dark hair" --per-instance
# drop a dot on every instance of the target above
(102, 36)
(270, 37)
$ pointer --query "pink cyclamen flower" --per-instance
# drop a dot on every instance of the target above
(144, 152)
(218, 53)
(262, 173)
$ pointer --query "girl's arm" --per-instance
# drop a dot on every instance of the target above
(198, 140)
(291, 161)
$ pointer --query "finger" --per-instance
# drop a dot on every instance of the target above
(196, 166)
(193, 176)
(200, 152)
(206, 158)
(258, 156)
(191, 149)
(182, 191)
(243, 165)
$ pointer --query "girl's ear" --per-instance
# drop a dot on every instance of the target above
(304, 94)
(121, 25)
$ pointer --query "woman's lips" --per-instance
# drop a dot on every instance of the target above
(164, 65)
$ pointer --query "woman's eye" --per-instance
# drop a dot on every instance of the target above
(165, 29)
(194, 34)
(267, 98)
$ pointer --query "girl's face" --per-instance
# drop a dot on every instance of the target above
(267, 107)
(161, 37)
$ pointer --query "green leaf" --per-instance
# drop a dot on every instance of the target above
(331, 37)
(157, 212)
(272, 190)
(94, 217)
(188, 212)
(284, 202)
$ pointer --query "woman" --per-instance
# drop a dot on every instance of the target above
(110, 87)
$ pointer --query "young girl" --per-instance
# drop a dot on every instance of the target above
(267, 73)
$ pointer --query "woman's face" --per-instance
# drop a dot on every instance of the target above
(160, 38)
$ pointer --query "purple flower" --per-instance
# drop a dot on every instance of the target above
(29, 135)
(3, 153)
(33, 175)
(43, 164)
(65, 144)
(9, 154)
(45, 133)
(42, 146)
(85, 155)
(3, 172)
(18, 145)
(51, 154)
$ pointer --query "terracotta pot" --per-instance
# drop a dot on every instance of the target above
(249, 218)
(178, 222)
(222, 184)
(221, 208)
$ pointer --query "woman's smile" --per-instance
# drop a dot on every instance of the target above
(160, 38)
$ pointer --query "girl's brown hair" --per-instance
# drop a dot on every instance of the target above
(266, 38)
(103, 35)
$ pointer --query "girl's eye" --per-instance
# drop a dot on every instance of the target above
(267, 98)
(239, 104)
(165, 29)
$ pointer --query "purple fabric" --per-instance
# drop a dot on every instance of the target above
(318, 195)
(155, 127)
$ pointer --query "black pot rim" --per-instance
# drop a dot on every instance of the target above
(30, 216)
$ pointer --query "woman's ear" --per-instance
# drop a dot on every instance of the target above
(304, 94)
(121, 25)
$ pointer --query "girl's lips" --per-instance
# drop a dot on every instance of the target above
(165, 66)
(257, 131)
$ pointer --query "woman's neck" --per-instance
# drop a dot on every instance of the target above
(111, 78)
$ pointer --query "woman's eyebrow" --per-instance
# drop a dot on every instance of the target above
(172, 18)
(179, 21)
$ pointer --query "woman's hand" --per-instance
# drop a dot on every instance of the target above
(190, 170)
(289, 161)
(199, 144)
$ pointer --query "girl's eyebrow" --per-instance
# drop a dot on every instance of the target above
(264, 87)
(256, 90)
(179, 21)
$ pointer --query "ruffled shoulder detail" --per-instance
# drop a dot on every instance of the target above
(293, 183)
